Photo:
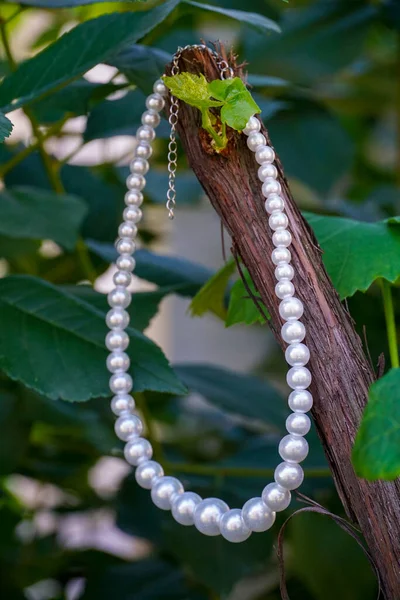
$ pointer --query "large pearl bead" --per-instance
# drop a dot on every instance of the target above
(257, 515)
(183, 507)
(300, 400)
(127, 229)
(297, 355)
(137, 451)
(276, 497)
(298, 378)
(133, 214)
(128, 427)
(164, 489)
(125, 246)
(271, 186)
(147, 473)
(284, 272)
(117, 318)
(135, 182)
(143, 150)
(151, 118)
(126, 262)
(118, 361)
(133, 198)
(283, 237)
(232, 526)
(122, 403)
(298, 423)
(255, 140)
(284, 289)
(159, 87)
(281, 255)
(253, 125)
(289, 475)
(278, 220)
(121, 383)
(145, 133)
(293, 448)
(119, 297)
(122, 278)
(117, 340)
(155, 102)
(207, 515)
(265, 154)
(291, 309)
(267, 170)
(140, 166)
(274, 203)
(293, 332)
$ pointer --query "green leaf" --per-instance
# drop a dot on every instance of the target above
(6, 127)
(192, 89)
(211, 297)
(357, 253)
(53, 342)
(77, 51)
(142, 65)
(256, 21)
(241, 307)
(14, 439)
(376, 452)
(30, 213)
(238, 106)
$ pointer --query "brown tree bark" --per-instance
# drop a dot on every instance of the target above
(341, 372)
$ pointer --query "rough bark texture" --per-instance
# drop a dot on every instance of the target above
(341, 373)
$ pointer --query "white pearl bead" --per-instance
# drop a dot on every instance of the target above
(267, 170)
(284, 271)
(119, 296)
(281, 255)
(284, 289)
(232, 526)
(298, 378)
(253, 126)
(297, 355)
(289, 475)
(257, 515)
(276, 497)
(128, 427)
(137, 451)
(147, 473)
(300, 400)
(265, 154)
(118, 361)
(293, 332)
(139, 166)
(117, 318)
(122, 403)
(159, 87)
(283, 237)
(127, 230)
(125, 246)
(155, 102)
(291, 309)
(207, 515)
(151, 118)
(255, 140)
(122, 278)
(163, 491)
(135, 182)
(271, 186)
(133, 198)
(133, 214)
(298, 423)
(126, 262)
(274, 203)
(278, 220)
(293, 448)
(117, 340)
(145, 133)
(183, 507)
(121, 383)
(143, 150)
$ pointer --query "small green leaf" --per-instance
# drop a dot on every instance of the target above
(241, 307)
(376, 452)
(211, 297)
(238, 106)
(255, 20)
(6, 127)
(192, 89)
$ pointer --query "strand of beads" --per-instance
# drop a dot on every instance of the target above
(210, 516)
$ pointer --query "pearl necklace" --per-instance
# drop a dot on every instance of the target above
(210, 516)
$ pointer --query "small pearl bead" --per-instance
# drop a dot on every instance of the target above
(183, 507)
(293, 332)
(289, 475)
(139, 166)
(155, 102)
(283, 237)
(255, 140)
(133, 198)
(147, 473)
(276, 497)
(135, 182)
(300, 400)
(126, 262)
(117, 340)
(117, 318)
(278, 220)
(122, 403)
(164, 489)
(281, 255)
(257, 515)
(137, 451)
(271, 186)
(253, 126)
(118, 361)
(143, 150)
(291, 309)
(119, 296)
(121, 383)
(145, 133)
(274, 203)
(265, 154)
(127, 230)
(298, 424)
(284, 271)
(128, 427)
(151, 118)
(267, 170)
(284, 289)
(159, 87)
(297, 355)
(122, 278)
(293, 448)
(207, 515)
(298, 378)
(133, 214)
(125, 246)
(232, 526)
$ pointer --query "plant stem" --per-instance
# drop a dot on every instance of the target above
(228, 471)
(390, 322)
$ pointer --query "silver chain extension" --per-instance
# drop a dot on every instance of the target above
(226, 72)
